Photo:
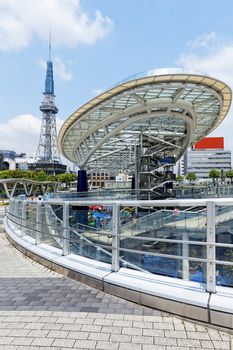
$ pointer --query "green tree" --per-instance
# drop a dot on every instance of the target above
(191, 177)
(51, 178)
(40, 176)
(66, 178)
(229, 174)
(214, 174)
(179, 178)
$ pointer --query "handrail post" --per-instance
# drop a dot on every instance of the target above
(24, 216)
(38, 223)
(66, 230)
(210, 248)
(11, 210)
(16, 213)
(115, 236)
(185, 255)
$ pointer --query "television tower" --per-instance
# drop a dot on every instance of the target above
(47, 156)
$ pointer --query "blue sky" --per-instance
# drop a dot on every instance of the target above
(96, 44)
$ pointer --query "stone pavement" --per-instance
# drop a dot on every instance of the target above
(40, 309)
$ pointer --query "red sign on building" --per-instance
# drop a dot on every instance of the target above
(210, 143)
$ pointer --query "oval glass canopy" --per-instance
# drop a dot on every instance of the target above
(144, 119)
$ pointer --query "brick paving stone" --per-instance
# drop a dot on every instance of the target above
(114, 317)
(106, 345)
(198, 335)
(175, 334)
(221, 344)
(34, 325)
(105, 322)
(207, 344)
(57, 334)
(191, 348)
(179, 327)
(85, 344)
(37, 333)
(153, 332)
(177, 348)
(71, 327)
(4, 332)
(52, 326)
(66, 320)
(15, 325)
(153, 347)
(90, 328)
(164, 326)
(123, 338)
(69, 343)
(189, 326)
(214, 334)
(165, 341)
(142, 339)
(99, 336)
(127, 346)
(120, 323)
(43, 341)
(114, 330)
(6, 340)
(189, 342)
(79, 335)
(142, 324)
(132, 331)
(83, 321)
(19, 332)
(22, 341)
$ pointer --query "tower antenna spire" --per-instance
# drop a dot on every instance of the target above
(50, 45)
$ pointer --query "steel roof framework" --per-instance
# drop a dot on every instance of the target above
(160, 114)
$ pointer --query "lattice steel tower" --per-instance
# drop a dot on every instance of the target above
(47, 151)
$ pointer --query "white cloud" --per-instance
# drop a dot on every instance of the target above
(97, 92)
(205, 40)
(70, 25)
(216, 60)
(21, 133)
(59, 68)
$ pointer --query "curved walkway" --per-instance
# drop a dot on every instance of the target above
(40, 309)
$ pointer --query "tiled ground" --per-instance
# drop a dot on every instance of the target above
(40, 309)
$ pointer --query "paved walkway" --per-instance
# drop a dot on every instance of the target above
(40, 309)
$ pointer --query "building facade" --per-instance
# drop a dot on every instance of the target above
(207, 154)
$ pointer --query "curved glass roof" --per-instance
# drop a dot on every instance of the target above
(160, 111)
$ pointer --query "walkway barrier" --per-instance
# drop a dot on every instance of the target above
(175, 255)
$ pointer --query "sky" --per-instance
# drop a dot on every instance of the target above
(96, 44)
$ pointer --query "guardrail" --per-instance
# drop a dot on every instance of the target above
(191, 245)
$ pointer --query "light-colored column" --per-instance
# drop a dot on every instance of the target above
(116, 236)
(210, 249)
(185, 254)
(66, 230)
(38, 223)
(16, 213)
(24, 219)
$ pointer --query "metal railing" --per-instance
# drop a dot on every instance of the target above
(187, 239)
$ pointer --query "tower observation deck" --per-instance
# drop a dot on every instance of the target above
(47, 155)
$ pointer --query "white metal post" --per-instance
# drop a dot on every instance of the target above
(16, 213)
(66, 230)
(210, 252)
(24, 216)
(185, 254)
(115, 236)
(38, 223)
